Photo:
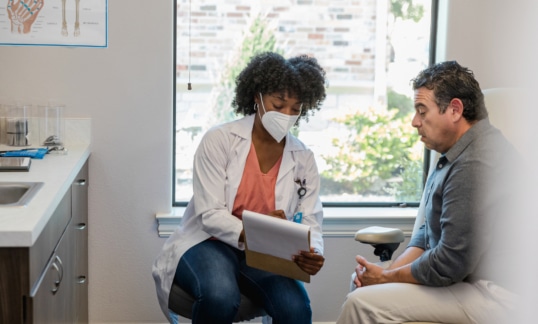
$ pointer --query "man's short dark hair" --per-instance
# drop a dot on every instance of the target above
(449, 80)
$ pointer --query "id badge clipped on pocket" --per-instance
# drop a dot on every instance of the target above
(298, 217)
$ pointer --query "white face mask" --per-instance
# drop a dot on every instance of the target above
(276, 123)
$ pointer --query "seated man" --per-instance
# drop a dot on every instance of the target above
(451, 271)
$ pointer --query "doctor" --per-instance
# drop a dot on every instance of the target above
(253, 163)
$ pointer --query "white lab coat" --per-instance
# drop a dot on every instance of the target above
(218, 167)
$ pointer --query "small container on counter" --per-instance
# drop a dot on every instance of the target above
(52, 128)
(20, 125)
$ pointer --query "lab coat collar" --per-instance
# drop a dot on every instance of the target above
(243, 127)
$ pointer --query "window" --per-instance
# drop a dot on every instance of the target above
(367, 152)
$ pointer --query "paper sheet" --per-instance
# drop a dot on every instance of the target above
(274, 236)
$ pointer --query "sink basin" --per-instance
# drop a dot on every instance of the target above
(18, 193)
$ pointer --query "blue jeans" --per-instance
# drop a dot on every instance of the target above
(215, 274)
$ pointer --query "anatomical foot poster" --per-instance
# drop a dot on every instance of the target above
(82, 23)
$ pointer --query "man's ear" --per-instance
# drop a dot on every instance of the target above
(455, 108)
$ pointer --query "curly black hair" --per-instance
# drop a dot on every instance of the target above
(301, 77)
(449, 80)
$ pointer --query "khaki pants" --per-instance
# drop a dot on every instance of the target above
(479, 302)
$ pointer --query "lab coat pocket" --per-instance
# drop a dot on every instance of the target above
(296, 207)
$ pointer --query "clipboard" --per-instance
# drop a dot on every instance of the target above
(271, 242)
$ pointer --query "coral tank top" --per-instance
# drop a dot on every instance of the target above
(256, 191)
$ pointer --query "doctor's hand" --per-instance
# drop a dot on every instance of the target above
(368, 273)
(309, 261)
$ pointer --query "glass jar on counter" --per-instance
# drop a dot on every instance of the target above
(21, 125)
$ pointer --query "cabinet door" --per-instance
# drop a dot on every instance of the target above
(79, 221)
(53, 298)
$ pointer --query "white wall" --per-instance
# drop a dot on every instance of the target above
(493, 38)
(126, 89)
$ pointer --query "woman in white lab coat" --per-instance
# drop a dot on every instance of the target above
(253, 163)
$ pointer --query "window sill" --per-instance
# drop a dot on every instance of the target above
(338, 221)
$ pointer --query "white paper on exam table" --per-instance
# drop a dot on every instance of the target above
(275, 236)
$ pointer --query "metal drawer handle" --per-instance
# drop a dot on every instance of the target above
(81, 280)
(80, 182)
(58, 266)
(54, 289)
(80, 226)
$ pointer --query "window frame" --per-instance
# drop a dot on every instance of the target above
(329, 206)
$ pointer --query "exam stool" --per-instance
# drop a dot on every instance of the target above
(385, 240)
(180, 302)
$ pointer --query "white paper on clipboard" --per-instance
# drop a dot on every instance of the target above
(274, 236)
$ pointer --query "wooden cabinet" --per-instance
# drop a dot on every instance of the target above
(48, 282)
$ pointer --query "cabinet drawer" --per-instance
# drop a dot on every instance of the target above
(45, 244)
(53, 294)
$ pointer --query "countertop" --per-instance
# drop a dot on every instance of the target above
(21, 226)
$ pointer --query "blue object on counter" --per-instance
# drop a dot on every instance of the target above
(34, 153)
